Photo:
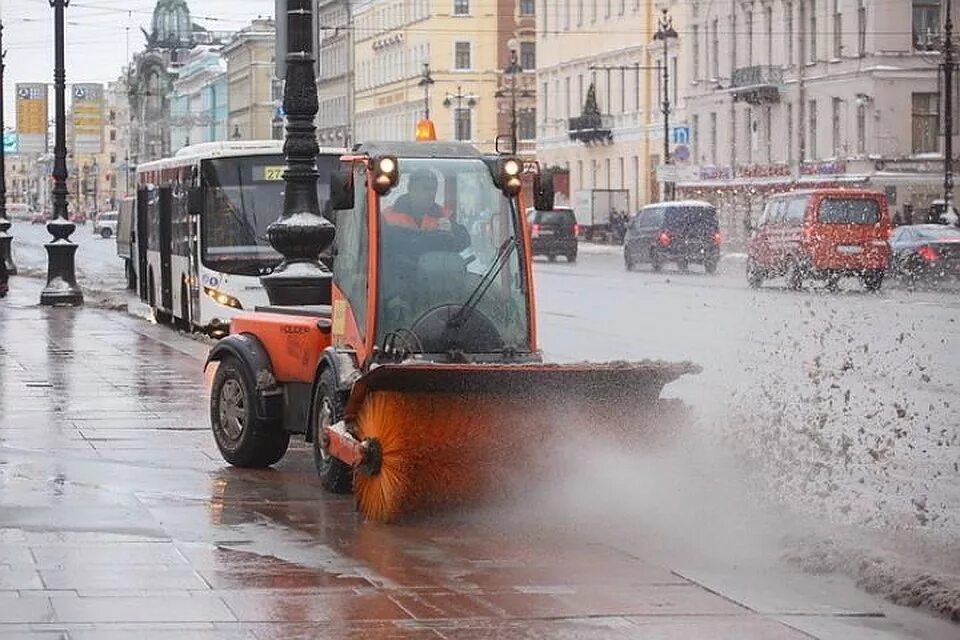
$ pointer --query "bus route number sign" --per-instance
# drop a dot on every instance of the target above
(273, 173)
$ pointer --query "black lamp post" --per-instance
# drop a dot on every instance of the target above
(7, 268)
(459, 96)
(512, 69)
(425, 81)
(666, 32)
(61, 286)
(301, 233)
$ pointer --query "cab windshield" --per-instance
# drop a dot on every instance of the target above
(448, 236)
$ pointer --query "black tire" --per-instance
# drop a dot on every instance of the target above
(327, 408)
(105, 233)
(184, 321)
(872, 280)
(131, 276)
(683, 265)
(793, 274)
(552, 257)
(710, 265)
(755, 275)
(656, 262)
(572, 257)
(244, 438)
(628, 263)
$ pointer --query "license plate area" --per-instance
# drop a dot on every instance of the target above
(849, 249)
(546, 232)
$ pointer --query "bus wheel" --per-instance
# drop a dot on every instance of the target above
(244, 438)
(184, 321)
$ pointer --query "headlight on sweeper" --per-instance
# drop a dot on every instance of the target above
(222, 298)
(510, 170)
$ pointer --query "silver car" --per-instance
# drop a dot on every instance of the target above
(105, 224)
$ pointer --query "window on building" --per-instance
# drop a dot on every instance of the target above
(568, 98)
(749, 127)
(837, 32)
(461, 7)
(788, 29)
(623, 7)
(694, 136)
(835, 116)
(113, 135)
(861, 129)
(461, 58)
(812, 53)
(789, 157)
(545, 97)
(733, 41)
(695, 52)
(713, 138)
(462, 124)
(715, 51)
(768, 134)
(113, 158)
(768, 28)
(862, 29)
(528, 56)
(527, 7)
(606, 14)
(812, 131)
(593, 12)
(527, 124)
(926, 123)
(926, 25)
(748, 18)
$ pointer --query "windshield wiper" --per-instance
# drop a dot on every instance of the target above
(458, 319)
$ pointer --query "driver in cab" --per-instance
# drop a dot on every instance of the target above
(417, 211)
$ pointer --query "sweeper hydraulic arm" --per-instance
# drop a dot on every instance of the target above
(421, 382)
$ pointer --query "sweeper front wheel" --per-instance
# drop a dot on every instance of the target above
(327, 410)
(244, 438)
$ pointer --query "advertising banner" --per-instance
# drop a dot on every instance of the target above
(87, 118)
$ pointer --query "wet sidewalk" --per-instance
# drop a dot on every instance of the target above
(119, 519)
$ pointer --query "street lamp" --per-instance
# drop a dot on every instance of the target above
(459, 96)
(61, 286)
(7, 268)
(666, 32)
(512, 69)
(236, 132)
(425, 81)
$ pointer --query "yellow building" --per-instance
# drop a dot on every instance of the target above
(462, 43)
(252, 92)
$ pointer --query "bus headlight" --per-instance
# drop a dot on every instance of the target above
(221, 298)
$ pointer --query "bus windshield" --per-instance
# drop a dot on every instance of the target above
(244, 195)
(431, 269)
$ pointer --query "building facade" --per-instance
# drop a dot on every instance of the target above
(599, 114)
(460, 43)
(334, 47)
(517, 61)
(253, 92)
(198, 107)
(785, 94)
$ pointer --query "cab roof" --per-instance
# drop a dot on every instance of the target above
(419, 149)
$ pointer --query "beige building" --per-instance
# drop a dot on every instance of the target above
(813, 92)
(252, 92)
(334, 53)
(604, 51)
(466, 46)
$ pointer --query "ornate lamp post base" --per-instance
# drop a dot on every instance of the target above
(62, 288)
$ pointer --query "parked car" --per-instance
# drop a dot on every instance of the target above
(19, 211)
(682, 232)
(924, 252)
(822, 234)
(105, 224)
(78, 217)
(38, 218)
(554, 233)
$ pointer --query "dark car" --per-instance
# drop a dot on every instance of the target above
(925, 252)
(679, 232)
(554, 233)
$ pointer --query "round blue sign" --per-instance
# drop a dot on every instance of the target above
(681, 152)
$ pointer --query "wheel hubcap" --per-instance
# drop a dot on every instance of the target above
(324, 419)
(232, 409)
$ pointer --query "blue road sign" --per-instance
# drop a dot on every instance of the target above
(681, 135)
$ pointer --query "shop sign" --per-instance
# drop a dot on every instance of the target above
(833, 168)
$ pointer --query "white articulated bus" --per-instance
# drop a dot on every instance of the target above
(197, 264)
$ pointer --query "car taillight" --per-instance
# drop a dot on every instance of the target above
(807, 233)
(576, 230)
(717, 238)
(928, 253)
(664, 238)
(535, 230)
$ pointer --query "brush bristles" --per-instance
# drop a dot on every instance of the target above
(438, 449)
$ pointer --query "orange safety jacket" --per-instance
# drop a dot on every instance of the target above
(428, 222)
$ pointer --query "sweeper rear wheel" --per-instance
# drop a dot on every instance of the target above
(327, 409)
(244, 438)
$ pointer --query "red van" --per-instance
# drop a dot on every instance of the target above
(824, 234)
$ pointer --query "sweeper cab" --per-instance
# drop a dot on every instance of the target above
(422, 379)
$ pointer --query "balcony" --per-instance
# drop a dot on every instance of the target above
(591, 128)
(756, 85)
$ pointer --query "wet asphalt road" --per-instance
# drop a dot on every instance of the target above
(118, 516)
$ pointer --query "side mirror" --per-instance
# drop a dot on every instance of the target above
(543, 193)
(195, 201)
(341, 191)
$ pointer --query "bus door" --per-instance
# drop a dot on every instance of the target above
(141, 239)
(166, 246)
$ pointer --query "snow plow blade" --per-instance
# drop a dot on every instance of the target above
(457, 433)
